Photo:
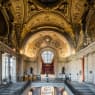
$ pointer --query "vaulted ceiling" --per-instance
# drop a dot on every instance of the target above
(45, 40)
(72, 19)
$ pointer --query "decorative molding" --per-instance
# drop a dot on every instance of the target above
(63, 8)
(77, 10)
(18, 8)
(90, 49)
(47, 18)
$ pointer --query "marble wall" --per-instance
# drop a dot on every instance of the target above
(74, 69)
(4, 49)
(82, 65)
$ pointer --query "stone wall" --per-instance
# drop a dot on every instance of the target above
(82, 65)
(4, 49)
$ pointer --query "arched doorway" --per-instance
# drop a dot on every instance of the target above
(44, 43)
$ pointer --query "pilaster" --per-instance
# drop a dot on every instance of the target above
(0, 67)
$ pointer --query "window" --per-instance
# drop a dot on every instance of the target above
(47, 56)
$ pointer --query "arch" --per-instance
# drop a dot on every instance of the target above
(47, 19)
(53, 65)
(37, 41)
(47, 28)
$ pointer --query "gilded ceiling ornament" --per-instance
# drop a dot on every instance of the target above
(47, 38)
(91, 27)
(31, 15)
(32, 6)
(47, 18)
(63, 6)
(77, 10)
(18, 9)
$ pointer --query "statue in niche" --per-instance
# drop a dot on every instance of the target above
(63, 70)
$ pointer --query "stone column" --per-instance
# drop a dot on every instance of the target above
(20, 65)
(86, 68)
(17, 67)
(90, 68)
(93, 60)
(0, 67)
(13, 68)
(14, 60)
(9, 67)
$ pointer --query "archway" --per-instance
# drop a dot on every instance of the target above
(48, 59)
(46, 41)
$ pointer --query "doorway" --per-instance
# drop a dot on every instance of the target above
(47, 58)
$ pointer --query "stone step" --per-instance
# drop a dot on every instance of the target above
(83, 88)
(13, 89)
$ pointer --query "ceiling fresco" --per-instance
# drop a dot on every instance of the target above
(43, 39)
(22, 19)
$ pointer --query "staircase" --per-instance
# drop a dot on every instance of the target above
(82, 88)
(13, 88)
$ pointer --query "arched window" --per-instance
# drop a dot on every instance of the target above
(47, 56)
